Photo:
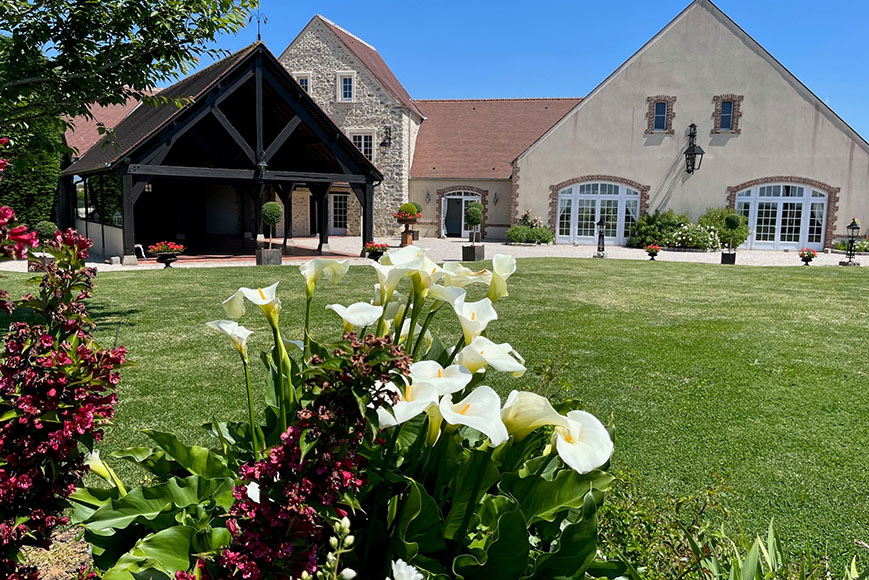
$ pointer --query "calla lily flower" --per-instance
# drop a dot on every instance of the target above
(96, 466)
(414, 399)
(359, 314)
(396, 306)
(504, 266)
(475, 316)
(457, 275)
(237, 334)
(263, 297)
(408, 257)
(334, 270)
(481, 410)
(584, 444)
(525, 411)
(389, 277)
(426, 339)
(448, 380)
(404, 571)
(446, 295)
(483, 352)
(425, 276)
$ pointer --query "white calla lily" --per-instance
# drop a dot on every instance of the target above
(265, 298)
(480, 410)
(404, 571)
(503, 266)
(413, 400)
(457, 275)
(474, 317)
(408, 257)
(425, 276)
(482, 352)
(525, 411)
(584, 444)
(389, 276)
(446, 295)
(357, 315)
(448, 380)
(237, 334)
(334, 270)
(427, 338)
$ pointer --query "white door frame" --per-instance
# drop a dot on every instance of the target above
(572, 195)
(809, 197)
(333, 231)
(466, 197)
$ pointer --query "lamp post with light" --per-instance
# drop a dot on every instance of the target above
(853, 232)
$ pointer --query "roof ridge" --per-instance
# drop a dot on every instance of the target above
(498, 99)
(345, 31)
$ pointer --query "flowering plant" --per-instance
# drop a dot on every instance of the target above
(694, 236)
(808, 253)
(374, 247)
(165, 248)
(402, 215)
(652, 249)
(4, 163)
(528, 219)
(381, 452)
(56, 393)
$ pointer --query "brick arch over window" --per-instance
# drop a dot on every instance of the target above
(554, 189)
(832, 197)
(484, 198)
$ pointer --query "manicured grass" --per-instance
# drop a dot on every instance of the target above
(760, 375)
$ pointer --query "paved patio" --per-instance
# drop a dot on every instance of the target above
(450, 249)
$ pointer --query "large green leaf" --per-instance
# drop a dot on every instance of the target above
(195, 459)
(477, 474)
(575, 550)
(419, 524)
(505, 554)
(543, 499)
(166, 551)
(154, 460)
(85, 501)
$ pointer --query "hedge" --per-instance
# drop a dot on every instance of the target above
(29, 184)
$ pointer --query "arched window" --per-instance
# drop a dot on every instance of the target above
(581, 206)
(453, 208)
(784, 216)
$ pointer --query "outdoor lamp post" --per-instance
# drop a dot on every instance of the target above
(694, 153)
(601, 224)
(853, 231)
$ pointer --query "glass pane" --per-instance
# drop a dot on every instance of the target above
(767, 214)
(791, 191)
(726, 115)
(818, 194)
(585, 217)
(816, 223)
(743, 208)
(339, 212)
(609, 210)
(564, 208)
(660, 116)
(791, 222)
(631, 215)
(629, 191)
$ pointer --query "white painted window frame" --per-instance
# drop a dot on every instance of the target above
(339, 86)
(752, 197)
(365, 131)
(304, 75)
(571, 192)
(467, 197)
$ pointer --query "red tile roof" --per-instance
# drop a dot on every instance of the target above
(85, 134)
(372, 60)
(479, 138)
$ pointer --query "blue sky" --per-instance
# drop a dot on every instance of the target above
(488, 49)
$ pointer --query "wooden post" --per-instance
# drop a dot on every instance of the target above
(320, 192)
(368, 214)
(129, 219)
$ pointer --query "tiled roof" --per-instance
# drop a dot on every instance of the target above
(479, 138)
(372, 60)
(84, 133)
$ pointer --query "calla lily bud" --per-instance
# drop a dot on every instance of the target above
(525, 411)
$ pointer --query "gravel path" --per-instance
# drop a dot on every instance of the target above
(441, 250)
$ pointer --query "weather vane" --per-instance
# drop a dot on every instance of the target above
(260, 20)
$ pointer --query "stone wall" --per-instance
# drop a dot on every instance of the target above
(318, 52)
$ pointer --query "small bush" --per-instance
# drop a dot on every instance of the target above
(656, 227)
(695, 237)
(408, 208)
(45, 230)
(520, 234)
(861, 245)
(272, 213)
(542, 235)
(716, 219)
(530, 220)
(474, 214)
(417, 206)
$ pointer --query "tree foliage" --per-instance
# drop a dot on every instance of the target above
(30, 182)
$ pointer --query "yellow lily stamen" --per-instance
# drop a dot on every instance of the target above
(464, 409)
(473, 315)
(568, 438)
(261, 293)
(440, 373)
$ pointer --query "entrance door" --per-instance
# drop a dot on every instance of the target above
(783, 217)
(581, 207)
(338, 215)
(453, 210)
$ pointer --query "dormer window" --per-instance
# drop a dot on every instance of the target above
(346, 87)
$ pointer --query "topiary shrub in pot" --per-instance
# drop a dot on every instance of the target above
(474, 217)
(732, 224)
(271, 215)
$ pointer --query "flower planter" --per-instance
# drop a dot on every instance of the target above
(475, 237)
(652, 256)
(807, 260)
(167, 258)
(375, 255)
(268, 257)
(473, 253)
(407, 236)
(728, 258)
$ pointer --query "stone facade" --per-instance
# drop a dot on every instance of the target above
(319, 53)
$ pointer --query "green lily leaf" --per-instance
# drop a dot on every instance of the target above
(85, 501)
(543, 499)
(419, 524)
(478, 465)
(505, 555)
(166, 551)
(576, 547)
(154, 460)
(195, 459)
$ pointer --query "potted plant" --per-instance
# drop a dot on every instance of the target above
(374, 250)
(474, 217)
(807, 255)
(732, 222)
(407, 215)
(45, 231)
(271, 215)
(652, 250)
(166, 252)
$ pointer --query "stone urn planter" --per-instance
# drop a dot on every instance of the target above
(807, 260)
(407, 233)
(728, 258)
(375, 255)
(167, 259)
(268, 257)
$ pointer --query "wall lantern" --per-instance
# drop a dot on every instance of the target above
(853, 231)
(261, 168)
(495, 198)
(427, 197)
(387, 137)
(694, 153)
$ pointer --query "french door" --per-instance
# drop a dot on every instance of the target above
(338, 217)
(453, 208)
(581, 207)
(784, 217)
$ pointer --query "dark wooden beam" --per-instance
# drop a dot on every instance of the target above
(241, 174)
(320, 191)
(281, 138)
(285, 193)
(258, 69)
(129, 216)
(368, 214)
(233, 132)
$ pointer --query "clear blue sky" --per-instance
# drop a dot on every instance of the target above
(539, 48)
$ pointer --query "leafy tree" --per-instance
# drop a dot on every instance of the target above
(61, 56)
(30, 183)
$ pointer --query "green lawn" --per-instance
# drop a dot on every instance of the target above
(755, 374)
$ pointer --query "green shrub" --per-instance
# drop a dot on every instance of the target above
(408, 208)
(656, 227)
(45, 230)
(520, 234)
(861, 245)
(695, 237)
(474, 214)
(272, 213)
(417, 206)
(542, 235)
(716, 220)
(530, 220)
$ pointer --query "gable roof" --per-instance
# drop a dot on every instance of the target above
(84, 132)
(752, 44)
(370, 59)
(478, 138)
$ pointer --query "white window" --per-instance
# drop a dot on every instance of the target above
(726, 115)
(304, 80)
(660, 116)
(784, 216)
(346, 87)
(580, 208)
(364, 141)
